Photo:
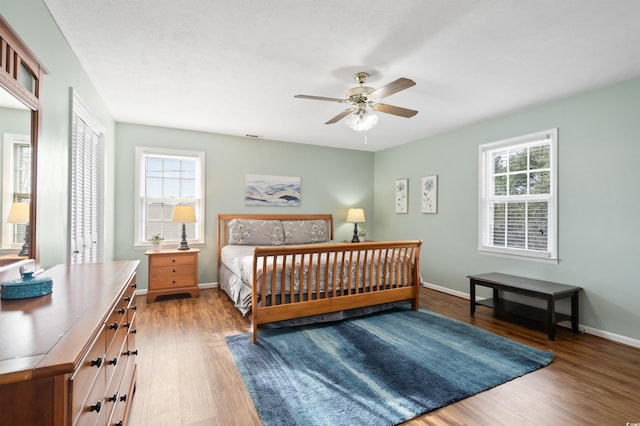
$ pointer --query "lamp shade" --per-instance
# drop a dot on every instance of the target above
(355, 216)
(184, 214)
(19, 213)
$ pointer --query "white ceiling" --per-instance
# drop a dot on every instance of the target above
(233, 66)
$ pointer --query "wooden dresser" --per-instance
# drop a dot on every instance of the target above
(69, 358)
(172, 272)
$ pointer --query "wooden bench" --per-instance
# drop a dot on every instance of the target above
(539, 289)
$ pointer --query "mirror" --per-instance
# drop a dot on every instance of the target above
(20, 74)
(15, 172)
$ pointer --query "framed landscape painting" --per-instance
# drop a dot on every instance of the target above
(266, 190)
(402, 189)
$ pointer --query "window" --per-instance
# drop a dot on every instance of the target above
(518, 196)
(16, 185)
(166, 178)
(86, 197)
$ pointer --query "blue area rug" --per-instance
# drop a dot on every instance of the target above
(381, 369)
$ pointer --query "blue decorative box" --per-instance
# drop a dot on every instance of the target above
(26, 287)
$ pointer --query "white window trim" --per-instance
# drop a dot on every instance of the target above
(550, 256)
(140, 152)
(10, 139)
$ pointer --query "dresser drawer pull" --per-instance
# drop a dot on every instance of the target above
(134, 308)
(113, 361)
(129, 353)
(134, 285)
(121, 311)
(123, 398)
(119, 423)
(113, 398)
(174, 271)
(113, 326)
(134, 331)
(96, 407)
(96, 362)
(127, 325)
(127, 298)
(173, 260)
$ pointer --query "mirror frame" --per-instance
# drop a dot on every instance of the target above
(15, 57)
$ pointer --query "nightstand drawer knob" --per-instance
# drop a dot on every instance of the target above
(113, 361)
(173, 260)
(121, 311)
(113, 326)
(96, 407)
(96, 362)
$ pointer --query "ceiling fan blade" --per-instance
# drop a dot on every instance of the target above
(340, 116)
(390, 109)
(319, 98)
(391, 88)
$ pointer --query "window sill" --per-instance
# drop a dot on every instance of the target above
(548, 260)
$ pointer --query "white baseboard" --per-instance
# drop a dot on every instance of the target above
(208, 285)
(583, 328)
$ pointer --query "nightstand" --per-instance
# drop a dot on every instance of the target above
(173, 271)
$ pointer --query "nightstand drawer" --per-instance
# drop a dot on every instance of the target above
(172, 260)
(177, 282)
(172, 271)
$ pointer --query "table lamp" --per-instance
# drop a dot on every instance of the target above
(355, 216)
(183, 214)
(20, 213)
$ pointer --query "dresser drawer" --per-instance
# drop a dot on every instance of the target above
(90, 371)
(93, 411)
(172, 260)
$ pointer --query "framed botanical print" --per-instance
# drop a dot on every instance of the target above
(402, 189)
(430, 194)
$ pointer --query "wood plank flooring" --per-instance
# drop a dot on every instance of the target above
(186, 374)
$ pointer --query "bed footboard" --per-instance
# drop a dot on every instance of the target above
(298, 281)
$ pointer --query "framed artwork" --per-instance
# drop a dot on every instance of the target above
(265, 190)
(402, 189)
(430, 194)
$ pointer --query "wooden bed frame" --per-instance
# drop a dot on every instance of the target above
(320, 295)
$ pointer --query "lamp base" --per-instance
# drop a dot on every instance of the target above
(24, 251)
(183, 243)
(355, 238)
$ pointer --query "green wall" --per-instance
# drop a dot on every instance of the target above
(599, 201)
(332, 180)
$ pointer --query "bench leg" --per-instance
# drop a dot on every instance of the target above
(472, 296)
(574, 312)
(551, 318)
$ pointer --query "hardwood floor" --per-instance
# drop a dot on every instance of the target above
(186, 374)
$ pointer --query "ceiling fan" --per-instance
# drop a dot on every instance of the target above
(364, 101)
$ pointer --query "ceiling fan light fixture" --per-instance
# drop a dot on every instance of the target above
(362, 121)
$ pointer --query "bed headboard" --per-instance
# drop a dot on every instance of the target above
(225, 219)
